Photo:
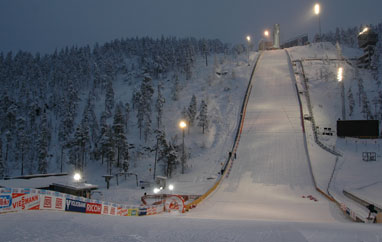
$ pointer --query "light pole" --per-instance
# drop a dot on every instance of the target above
(266, 34)
(340, 81)
(183, 126)
(317, 8)
(249, 43)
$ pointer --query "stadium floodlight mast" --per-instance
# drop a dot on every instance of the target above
(249, 43)
(340, 73)
(317, 11)
(183, 126)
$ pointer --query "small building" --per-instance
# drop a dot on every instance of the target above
(76, 189)
(55, 182)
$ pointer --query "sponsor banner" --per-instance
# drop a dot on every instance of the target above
(93, 208)
(122, 211)
(105, 209)
(75, 206)
(5, 203)
(52, 203)
(142, 211)
(22, 201)
(5, 190)
(133, 212)
(113, 210)
(174, 203)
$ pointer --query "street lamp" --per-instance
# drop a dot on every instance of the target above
(183, 126)
(317, 10)
(264, 42)
(364, 30)
(340, 81)
(77, 177)
(171, 187)
(249, 43)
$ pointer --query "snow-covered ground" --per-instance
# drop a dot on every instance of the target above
(58, 226)
(350, 172)
(265, 196)
(270, 179)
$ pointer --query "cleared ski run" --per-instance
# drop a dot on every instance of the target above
(271, 173)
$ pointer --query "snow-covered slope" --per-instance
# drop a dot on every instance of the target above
(271, 174)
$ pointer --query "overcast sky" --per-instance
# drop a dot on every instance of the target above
(43, 25)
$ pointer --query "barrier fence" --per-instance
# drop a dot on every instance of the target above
(20, 199)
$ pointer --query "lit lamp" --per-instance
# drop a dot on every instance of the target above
(249, 43)
(183, 126)
(317, 10)
(77, 177)
(339, 79)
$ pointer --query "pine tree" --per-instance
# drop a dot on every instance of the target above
(203, 116)
(2, 163)
(192, 110)
(159, 104)
(127, 114)
(43, 145)
(21, 144)
(351, 102)
(109, 99)
(144, 108)
(119, 133)
(175, 89)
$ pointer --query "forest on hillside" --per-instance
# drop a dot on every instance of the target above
(46, 122)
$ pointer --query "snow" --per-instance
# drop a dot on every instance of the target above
(34, 226)
(271, 174)
(350, 171)
(265, 196)
(370, 193)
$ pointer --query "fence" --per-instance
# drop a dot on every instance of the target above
(20, 199)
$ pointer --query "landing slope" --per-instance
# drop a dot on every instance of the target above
(271, 172)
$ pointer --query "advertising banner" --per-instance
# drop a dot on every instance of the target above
(174, 203)
(133, 212)
(93, 208)
(5, 203)
(75, 206)
(52, 202)
(25, 201)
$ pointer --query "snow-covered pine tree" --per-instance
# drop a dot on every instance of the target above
(175, 88)
(109, 99)
(192, 111)
(21, 142)
(2, 163)
(171, 159)
(351, 102)
(203, 116)
(147, 92)
(159, 104)
(119, 133)
(127, 116)
(43, 145)
(184, 114)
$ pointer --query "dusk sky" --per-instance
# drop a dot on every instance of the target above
(43, 25)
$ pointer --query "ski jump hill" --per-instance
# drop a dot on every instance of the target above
(271, 177)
